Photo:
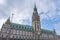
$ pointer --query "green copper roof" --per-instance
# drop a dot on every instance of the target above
(47, 31)
(29, 28)
(19, 26)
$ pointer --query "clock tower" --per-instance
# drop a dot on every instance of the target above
(35, 19)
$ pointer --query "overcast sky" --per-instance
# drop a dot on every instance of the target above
(49, 11)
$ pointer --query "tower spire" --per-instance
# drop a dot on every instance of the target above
(35, 9)
(35, 19)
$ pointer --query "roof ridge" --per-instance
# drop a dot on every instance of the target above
(48, 30)
(21, 24)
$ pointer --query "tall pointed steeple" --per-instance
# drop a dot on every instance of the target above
(35, 10)
(35, 19)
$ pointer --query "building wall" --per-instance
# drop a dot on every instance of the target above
(58, 37)
(23, 34)
(16, 33)
(47, 36)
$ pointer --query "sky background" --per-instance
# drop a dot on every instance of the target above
(49, 11)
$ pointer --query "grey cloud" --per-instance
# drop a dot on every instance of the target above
(24, 4)
(5, 10)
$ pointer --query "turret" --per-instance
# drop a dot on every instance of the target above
(8, 21)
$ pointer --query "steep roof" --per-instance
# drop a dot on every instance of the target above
(29, 28)
(24, 27)
(47, 31)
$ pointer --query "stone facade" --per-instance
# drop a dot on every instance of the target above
(14, 31)
(58, 37)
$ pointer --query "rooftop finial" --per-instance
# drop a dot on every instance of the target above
(35, 4)
(54, 30)
(12, 17)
